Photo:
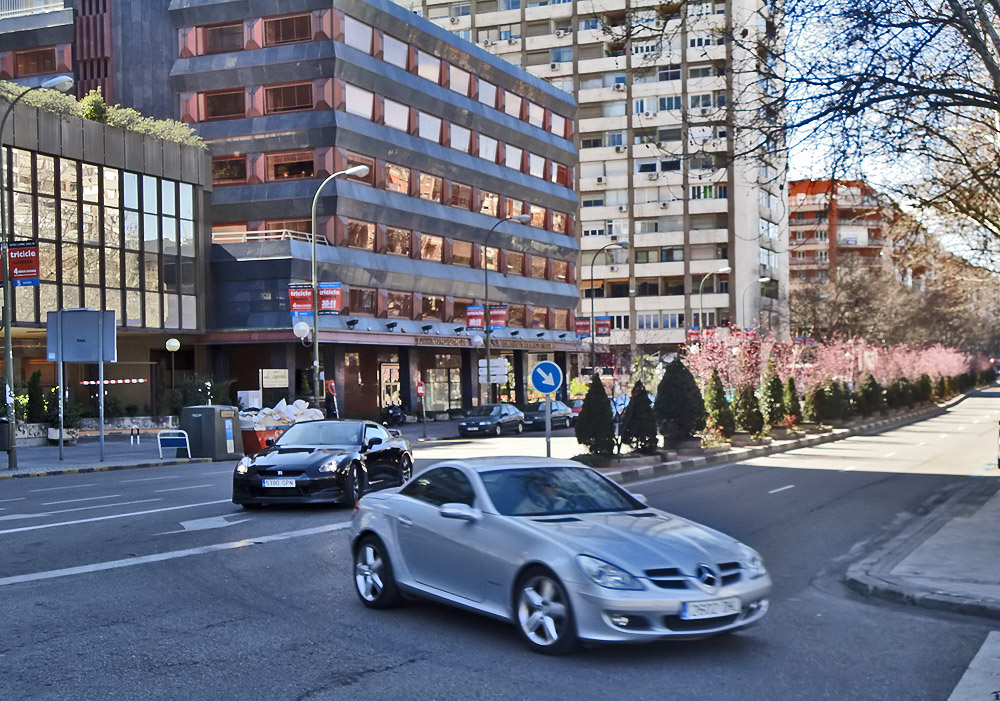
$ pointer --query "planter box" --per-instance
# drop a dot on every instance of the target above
(124, 423)
(70, 436)
(715, 449)
(782, 434)
(741, 439)
(809, 427)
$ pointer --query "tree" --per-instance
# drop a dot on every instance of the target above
(791, 399)
(772, 404)
(93, 107)
(36, 401)
(638, 427)
(720, 414)
(746, 409)
(595, 424)
(679, 407)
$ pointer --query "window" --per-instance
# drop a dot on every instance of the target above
(288, 166)
(362, 300)
(397, 178)
(557, 125)
(515, 263)
(512, 157)
(225, 105)
(428, 67)
(458, 80)
(491, 258)
(394, 51)
(428, 127)
(536, 165)
(360, 234)
(487, 93)
(672, 254)
(560, 222)
(648, 321)
(560, 270)
(35, 62)
(538, 266)
(514, 207)
(445, 485)
(487, 148)
(701, 100)
(540, 318)
(356, 159)
(431, 248)
(461, 196)
(512, 104)
(672, 72)
(488, 202)
(537, 216)
(300, 225)
(396, 115)
(399, 304)
(671, 134)
(397, 241)
(229, 170)
(536, 114)
(592, 200)
(461, 253)
(430, 187)
(596, 141)
(357, 34)
(460, 138)
(288, 98)
(432, 307)
(222, 38)
(358, 101)
(287, 30)
(701, 72)
(671, 102)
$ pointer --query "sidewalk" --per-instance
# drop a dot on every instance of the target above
(945, 557)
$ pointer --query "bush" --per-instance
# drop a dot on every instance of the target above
(72, 414)
(93, 107)
(719, 413)
(746, 410)
(813, 405)
(772, 403)
(679, 408)
(923, 390)
(859, 407)
(638, 427)
(899, 394)
(835, 402)
(940, 389)
(791, 399)
(36, 401)
(113, 408)
(595, 424)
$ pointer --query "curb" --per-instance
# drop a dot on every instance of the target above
(872, 575)
(105, 468)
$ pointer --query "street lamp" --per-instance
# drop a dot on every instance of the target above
(520, 219)
(173, 345)
(743, 295)
(701, 293)
(593, 333)
(61, 83)
(360, 171)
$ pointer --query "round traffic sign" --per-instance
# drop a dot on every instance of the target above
(546, 377)
(420, 389)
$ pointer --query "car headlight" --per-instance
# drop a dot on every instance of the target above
(607, 575)
(243, 465)
(484, 423)
(330, 465)
(750, 559)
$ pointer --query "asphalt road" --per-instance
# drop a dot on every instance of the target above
(151, 584)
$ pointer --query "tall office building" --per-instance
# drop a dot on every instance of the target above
(662, 88)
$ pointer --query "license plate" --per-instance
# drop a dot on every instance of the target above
(472, 428)
(279, 483)
(710, 609)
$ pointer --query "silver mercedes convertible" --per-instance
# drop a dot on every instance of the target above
(555, 548)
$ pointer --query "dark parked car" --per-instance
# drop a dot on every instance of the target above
(492, 419)
(561, 415)
(323, 461)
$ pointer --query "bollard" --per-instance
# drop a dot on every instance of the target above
(134, 438)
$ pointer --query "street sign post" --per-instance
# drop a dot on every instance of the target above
(547, 377)
(423, 407)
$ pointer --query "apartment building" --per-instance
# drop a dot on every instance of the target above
(658, 97)
(456, 142)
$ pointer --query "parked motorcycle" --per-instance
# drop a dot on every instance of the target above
(392, 415)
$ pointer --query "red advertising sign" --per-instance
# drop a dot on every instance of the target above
(300, 298)
(329, 298)
(474, 317)
(709, 334)
(693, 335)
(582, 327)
(23, 264)
(498, 316)
(602, 325)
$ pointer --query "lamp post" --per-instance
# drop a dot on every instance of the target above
(593, 332)
(173, 345)
(520, 219)
(61, 83)
(743, 295)
(361, 171)
(701, 293)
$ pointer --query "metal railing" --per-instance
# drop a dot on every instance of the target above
(266, 235)
(19, 8)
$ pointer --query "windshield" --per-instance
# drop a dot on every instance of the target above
(537, 406)
(321, 433)
(485, 410)
(549, 491)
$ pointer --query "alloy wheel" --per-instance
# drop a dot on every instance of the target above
(543, 614)
(368, 569)
(405, 470)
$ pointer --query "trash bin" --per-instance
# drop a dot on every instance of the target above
(212, 430)
(4, 434)
(256, 441)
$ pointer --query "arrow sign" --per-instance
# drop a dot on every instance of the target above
(546, 377)
(205, 524)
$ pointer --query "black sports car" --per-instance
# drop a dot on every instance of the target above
(323, 461)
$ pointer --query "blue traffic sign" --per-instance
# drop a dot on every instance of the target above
(546, 377)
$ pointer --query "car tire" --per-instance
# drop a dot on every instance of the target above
(373, 578)
(352, 487)
(520, 428)
(405, 469)
(543, 614)
(498, 431)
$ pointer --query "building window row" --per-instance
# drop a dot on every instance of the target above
(240, 35)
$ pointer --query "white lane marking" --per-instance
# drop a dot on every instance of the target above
(74, 501)
(153, 479)
(179, 489)
(975, 421)
(921, 443)
(781, 489)
(889, 455)
(847, 469)
(106, 518)
(982, 677)
(3, 501)
(961, 428)
(204, 524)
(943, 435)
(161, 557)
(13, 517)
(53, 489)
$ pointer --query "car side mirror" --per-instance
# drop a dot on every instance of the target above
(460, 512)
(640, 497)
(372, 442)
(268, 442)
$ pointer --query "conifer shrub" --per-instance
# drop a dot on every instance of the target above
(746, 410)
(638, 427)
(679, 407)
(790, 397)
(923, 390)
(873, 394)
(36, 400)
(720, 414)
(813, 405)
(595, 426)
(772, 403)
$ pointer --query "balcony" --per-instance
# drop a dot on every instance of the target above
(20, 8)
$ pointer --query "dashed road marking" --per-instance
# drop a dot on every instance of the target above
(889, 455)
(4, 501)
(75, 501)
(153, 479)
(54, 489)
(781, 489)
(113, 516)
(179, 489)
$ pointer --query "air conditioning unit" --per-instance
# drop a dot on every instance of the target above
(623, 208)
(554, 66)
(613, 268)
(512, 41)
(560, 33)
(705, 111)
(619, 149)
(647, 115)
(618, 86)
(453, 20)
(664, 205)
(486, 42)
(658, 24)
(652, 176)
(600, 179)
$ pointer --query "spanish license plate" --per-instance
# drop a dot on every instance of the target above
(693, 610)
(472, 428)
(279, 483)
